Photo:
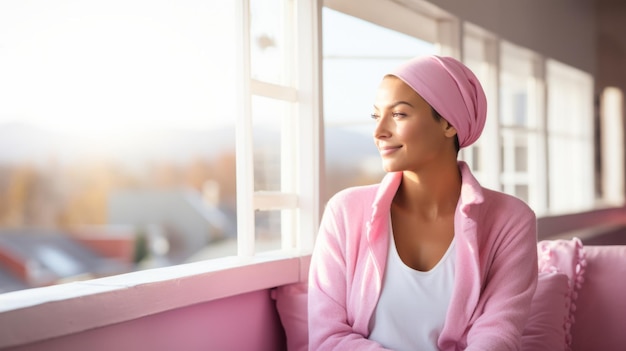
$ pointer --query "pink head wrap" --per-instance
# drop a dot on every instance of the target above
(451, 89)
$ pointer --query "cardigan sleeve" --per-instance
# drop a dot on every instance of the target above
(329, 326)
(510, 284)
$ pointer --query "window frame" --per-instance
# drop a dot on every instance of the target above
(300, 158)
(537, 173)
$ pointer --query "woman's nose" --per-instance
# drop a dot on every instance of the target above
(382, 129)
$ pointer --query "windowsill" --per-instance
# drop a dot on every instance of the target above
(37, 314)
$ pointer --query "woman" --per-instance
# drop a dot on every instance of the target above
(427, 259)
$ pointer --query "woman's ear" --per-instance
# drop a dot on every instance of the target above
(449, 130)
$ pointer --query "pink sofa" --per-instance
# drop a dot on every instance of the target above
(579, 305)
(600, 314)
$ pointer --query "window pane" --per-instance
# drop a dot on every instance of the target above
(268, 229)
(570, 138)
(513, 100)
(475, 58)
(515, 152)
(270, 35)
(268, 117)
(523, 158)
(517, 171)
(118, 118)
(521, 191)
(356, 56)
(518, 90)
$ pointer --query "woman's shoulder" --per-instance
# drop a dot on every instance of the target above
(492, 201)
(355, 194)
(351, 205)
(503, 202)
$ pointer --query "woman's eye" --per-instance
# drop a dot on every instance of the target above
(399, 115)
(374, 116)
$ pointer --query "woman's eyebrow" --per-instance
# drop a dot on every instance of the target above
(401, 103)
(396, 104)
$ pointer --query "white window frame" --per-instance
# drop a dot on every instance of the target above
(536, 177)
(612, 134)
(300, 157)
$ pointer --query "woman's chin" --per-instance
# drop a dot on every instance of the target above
(390, 167)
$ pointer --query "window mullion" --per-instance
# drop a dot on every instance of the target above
(449, 32)
(612, 133)
(290, 125)
(542, 176)
(308, 16)
(289, 173)
(491, 150)
(244, 141)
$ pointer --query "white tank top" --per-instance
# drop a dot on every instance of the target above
(413, 304)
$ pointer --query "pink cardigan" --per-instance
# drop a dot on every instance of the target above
(496, 268)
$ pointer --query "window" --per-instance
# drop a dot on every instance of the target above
(521, 149)
(480, 54)
(570, 138)
(146, 134)
(357, 54)
(521, 119)
(535, 150)
(284, 122)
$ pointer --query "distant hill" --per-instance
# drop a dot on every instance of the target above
(345, 146)
(20, 143)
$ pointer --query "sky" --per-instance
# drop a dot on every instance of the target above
(98, 67)
(108, 68)
(357, 54)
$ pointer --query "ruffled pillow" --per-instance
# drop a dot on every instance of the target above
(549, 309)
(601, 307)
(291, 304)
(567, 257)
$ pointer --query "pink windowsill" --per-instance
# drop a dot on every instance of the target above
(37, 314)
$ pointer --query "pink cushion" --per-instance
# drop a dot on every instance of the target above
(601, 306)
(568, 257)
(291, 304)
(549, 309)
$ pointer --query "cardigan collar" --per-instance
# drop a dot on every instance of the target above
(378, 224)
(471, 194)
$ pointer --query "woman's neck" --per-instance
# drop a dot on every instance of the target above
(431, 193)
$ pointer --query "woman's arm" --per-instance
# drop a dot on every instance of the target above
(510, 285)
(329, 328)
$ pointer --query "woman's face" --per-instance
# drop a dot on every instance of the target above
(407, 135)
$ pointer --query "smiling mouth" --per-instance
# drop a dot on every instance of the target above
(388, 150)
